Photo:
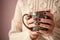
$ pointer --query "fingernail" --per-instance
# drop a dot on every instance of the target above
(39, 23)
(39, 19)
(47, 11)
(44, 12)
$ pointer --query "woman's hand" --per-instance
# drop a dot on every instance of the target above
(34, 34)
(49, 26)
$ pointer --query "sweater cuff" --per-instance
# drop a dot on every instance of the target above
(49, 37)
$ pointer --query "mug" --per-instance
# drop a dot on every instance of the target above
(37, 15)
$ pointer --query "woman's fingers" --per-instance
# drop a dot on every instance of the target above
(30, 21)
(46, 33)
(31, 25)
(49, 21)
(27, 17)
(49, 27)
(49, 14)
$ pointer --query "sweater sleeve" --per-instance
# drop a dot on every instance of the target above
(16, 32)
(57, 22)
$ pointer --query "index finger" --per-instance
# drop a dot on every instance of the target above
(49, 14)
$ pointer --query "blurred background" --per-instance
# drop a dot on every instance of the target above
(7, 8)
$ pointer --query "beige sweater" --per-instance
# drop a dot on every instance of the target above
(19, 32)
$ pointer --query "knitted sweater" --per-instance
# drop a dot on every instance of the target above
(19, 32)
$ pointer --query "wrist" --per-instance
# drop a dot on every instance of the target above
(49, 36)
(33, 37)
